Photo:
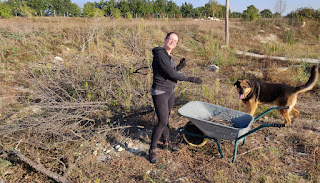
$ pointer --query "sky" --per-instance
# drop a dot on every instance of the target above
(241, 5)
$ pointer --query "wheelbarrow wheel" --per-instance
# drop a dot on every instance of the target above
(193, 140)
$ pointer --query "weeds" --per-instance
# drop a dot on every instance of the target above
(289, 37)
(273, 48)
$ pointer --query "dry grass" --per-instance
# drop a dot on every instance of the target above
(69, 112)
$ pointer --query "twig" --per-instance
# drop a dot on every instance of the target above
(16, 148)
(117, 128)
(249, 151)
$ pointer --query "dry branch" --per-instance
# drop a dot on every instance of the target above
(308, 60)
(37, 166)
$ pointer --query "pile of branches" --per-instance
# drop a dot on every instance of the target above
(69, 104)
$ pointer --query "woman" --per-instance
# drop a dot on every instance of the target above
(165, 77)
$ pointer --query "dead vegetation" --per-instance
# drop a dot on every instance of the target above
(87, 115)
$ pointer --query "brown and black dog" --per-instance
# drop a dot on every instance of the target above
(253, 93)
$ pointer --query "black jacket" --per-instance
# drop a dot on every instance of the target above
(165, 75)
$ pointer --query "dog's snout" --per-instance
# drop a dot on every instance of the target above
(241, 91)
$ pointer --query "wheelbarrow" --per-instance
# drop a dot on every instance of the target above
(202, 125)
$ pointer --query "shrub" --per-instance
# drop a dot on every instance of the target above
(252, 13)
(116, 13)
(5, 11)
(179, 16)
(129, 15)
(148, 16)
(304, 13)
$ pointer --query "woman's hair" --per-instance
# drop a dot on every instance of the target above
(168, 35)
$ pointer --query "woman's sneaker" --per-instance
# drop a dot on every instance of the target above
(152, 156)
(170, 147)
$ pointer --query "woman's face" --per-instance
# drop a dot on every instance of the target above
(171, 42)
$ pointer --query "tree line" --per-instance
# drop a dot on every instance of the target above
(137, 8)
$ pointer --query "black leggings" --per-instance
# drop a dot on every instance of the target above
(163, 104)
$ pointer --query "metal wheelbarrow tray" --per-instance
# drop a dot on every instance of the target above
(199, 112)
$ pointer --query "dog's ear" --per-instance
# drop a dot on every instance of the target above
(236, 83)
(249, 83)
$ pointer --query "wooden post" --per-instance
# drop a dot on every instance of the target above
(227, 23)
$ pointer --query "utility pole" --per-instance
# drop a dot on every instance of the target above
(227, 24)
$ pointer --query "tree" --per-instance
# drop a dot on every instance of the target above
(220, 11)
(108, 7)
(252, 13)
(5, 10)
(236, 15)
(74, 10)
(69, 8)
(89, 10)
(147, 7)
(55, 7)
(39, 6)
(201, 11)
(26, 11)
(196, 12)
(304, 13)
(159, 7)
(212, 7)
(136, 6)
(186, 9)
(123, 6)
(15, 6)
(172, 9)
(266, 13)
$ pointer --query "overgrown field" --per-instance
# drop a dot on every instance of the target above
(75, 100)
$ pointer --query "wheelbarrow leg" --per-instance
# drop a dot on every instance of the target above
(235, 151)
(244, 141)
(219, 147)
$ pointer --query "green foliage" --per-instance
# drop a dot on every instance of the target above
(4, 164)
(159, 6)
(266, 13)
(235, 15)
(172, 9)
(116, 13)
(89, 10)
(289, 37)
(39, 6)
(304, 13)
(212, 51)
(273, 48)
(137, 8)
(186, 9)
(213, 8)
(129, 15)
(276, 15)
(252, 13)
(5, 10)
(26, 11)
(73, 10)
(123, 6)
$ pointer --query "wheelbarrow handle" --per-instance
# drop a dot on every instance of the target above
(270, 109)
(283, 107)
(278, 125)
(261, 126)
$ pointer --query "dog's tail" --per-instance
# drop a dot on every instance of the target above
(311, 82)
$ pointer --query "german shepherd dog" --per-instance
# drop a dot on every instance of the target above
(252, 93)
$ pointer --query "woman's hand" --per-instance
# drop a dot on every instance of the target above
(195, 80)
(181, 64)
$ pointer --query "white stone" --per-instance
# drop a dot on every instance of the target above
(58, 59)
